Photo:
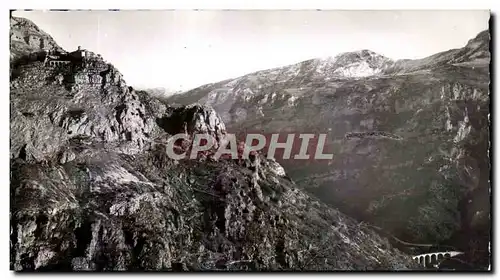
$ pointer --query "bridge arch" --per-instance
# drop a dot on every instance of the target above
(433, 258)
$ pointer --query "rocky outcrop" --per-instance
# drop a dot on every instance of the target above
(193, 119)
(48, 114)
(93, 189)
(26, 38)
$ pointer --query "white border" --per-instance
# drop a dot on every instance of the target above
(257, 4)
(200, 4)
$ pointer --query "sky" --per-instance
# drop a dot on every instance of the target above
(182, 49)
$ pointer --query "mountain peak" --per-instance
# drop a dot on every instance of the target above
(482, 39)
(359, 56)
(360, 63)
(364, 53)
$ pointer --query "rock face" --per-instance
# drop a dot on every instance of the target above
(47, 118)
(193, 119)
(26, 38)
(410, 138)
(93, 189)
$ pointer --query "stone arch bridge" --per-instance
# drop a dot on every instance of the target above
(434, 258)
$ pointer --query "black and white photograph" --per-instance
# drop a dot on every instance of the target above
(211, 140)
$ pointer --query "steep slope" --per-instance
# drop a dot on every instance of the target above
(410, 138)
(26, 38)
(93, 189)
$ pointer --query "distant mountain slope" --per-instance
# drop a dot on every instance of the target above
(93, 189)
(475, 52)
(428, 182)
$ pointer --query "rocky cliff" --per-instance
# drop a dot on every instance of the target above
(26, 38)
(410, 138)
(92, 187)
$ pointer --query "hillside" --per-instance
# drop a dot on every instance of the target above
(26, 38)
(410, 138)
(92, 188)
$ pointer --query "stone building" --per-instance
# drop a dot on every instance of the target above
(58, 58)
(79, 54)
